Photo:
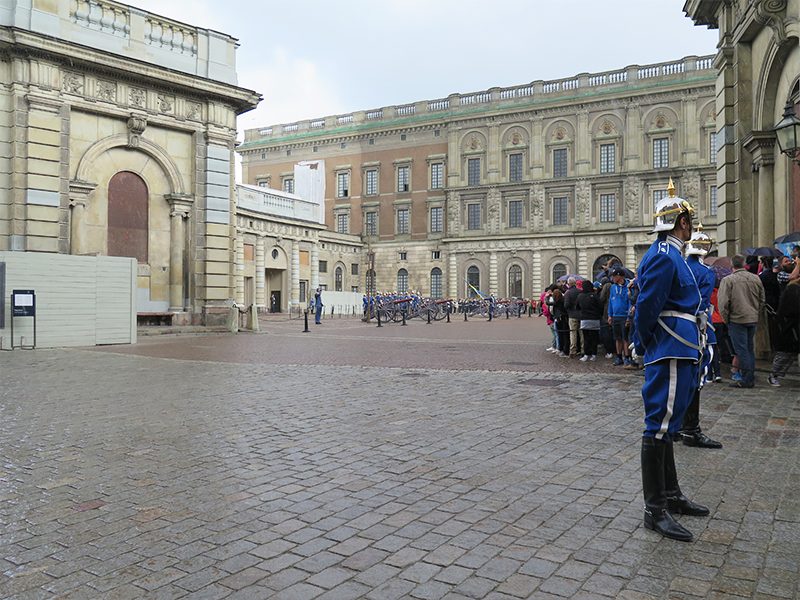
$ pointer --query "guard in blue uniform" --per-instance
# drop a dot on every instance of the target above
(696, 248)
(668, 337)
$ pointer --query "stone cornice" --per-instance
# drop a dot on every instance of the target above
(761, 145)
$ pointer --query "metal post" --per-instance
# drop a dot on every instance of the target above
(404, 316)
(465, 315)
(448, 313)
(507, 311)
(378, 314)
(429, 317)
(306, 320)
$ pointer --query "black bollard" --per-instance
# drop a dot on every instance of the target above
(429, 317)
(306, 320)
(465, 316)
(377, 314)
(448, 314)
(404, 316)
(530, 310)
(506, 313)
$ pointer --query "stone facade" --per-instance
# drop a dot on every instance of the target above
(758, 66)
(507, 188)
(117, 130)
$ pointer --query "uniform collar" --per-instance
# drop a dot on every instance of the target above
(675, 242)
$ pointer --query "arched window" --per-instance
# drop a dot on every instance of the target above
(370, 282)
(515, 281)
(338, 279)
(474, 281)
(436, 282)
(402, 281)
(602, 261)
(127, 216)
(559, 270)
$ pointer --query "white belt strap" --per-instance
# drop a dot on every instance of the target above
(678, 315)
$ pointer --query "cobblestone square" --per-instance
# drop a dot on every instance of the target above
(442, 461)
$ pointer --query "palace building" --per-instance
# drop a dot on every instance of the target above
(505, 189)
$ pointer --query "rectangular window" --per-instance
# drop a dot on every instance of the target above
(436, 254)
(323, 266)
(660, 153)
(372, 182)
(608, 208)
(515, 213)
(354, 288)
(402, 221)
(712, 147)
(402, 256)
(288, 186)
(343, 188)
(474, 171)
(712, 200)
(402, 179)
(436, 219)
(354, 269)
(560, 162)
(343, 223)
(473, 216)
(515, 167)
(437, 176)
(607, 164)
(559, 211)
(372, 223)
(249, 252)
(658, 195)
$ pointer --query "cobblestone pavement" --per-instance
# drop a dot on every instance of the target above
(424, 462)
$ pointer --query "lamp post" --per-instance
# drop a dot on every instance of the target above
(788, 133)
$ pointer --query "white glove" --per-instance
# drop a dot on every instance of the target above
(634, 356)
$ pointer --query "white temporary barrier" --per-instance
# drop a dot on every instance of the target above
(80, 300)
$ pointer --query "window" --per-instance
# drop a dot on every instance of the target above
(288, 153)
(323, 266)
(354, 269)
(402, 281)
(712, 200)
(402, 179)
(338, 279)
(560, 162)
(515, 167)
(372, 142)
(343, 184)
(436, 219)
(354, 288)
(473, 216)
(437, 172)
(559, 211)
(607, 163)
(435, 133)
(343, 223)
(344, 145)
(369, 280)
(402, 221)
(264, 184)
(712, 147)
(473, 281)
(402, 256)
(658, 195)
(436, 254)
(436, 283)
(372, 182)
(288, 185)
(515, 281)
(316, 148)
(303, 288)
(275, 254)
(608, 206)
(559, 270)
(372, 223)
(660, 153)
(515, 213)
(474, 171)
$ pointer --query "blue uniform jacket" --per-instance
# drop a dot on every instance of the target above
(706, 278)
(666, 283)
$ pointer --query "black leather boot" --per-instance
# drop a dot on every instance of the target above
(690, 432)
(656, 514)
(677, 503)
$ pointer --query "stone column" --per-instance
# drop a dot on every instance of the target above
(261, 296)
(453, 274)
(180, 209)
(583, 263)
(493, 272)
(295, 301)
(493, 158)
(79, 200)
(537, 148)
(536, 275)
(630, 254)
(238, 275)
(761, 144)
(315, 266)
(584, 145)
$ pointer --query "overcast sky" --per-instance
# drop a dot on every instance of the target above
(316, 58)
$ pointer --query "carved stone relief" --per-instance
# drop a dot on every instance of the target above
(73, 83)
(630, 193)
(690, 185)
(583, 194)
(107, 90)
(453, 210)
(136, 97)
(166, 103)
(493, 200)
(193, 111)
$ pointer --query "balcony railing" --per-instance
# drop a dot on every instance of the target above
(619, 79)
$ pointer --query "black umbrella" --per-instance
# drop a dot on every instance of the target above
(788, 238)
(762, 251)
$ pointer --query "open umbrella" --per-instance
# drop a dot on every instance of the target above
(762, 251)
(577, 277)
(789, 237)
(721, 272)
(722, 261)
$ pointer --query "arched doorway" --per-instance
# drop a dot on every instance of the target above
(402, 281)
(559, 270)
(128, 224)
(515, 281)
(436, 283)
(474, 281)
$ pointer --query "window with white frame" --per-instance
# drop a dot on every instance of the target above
(473, 282)
(560, 162)
(437, 176)
(338, 279)
(371, 223)
(371, 182)
(473, 216)
(712, 201)
(402, 220)
(474, 171)
(343, 185)
(515, 167)
(402, 281)
(660, 153)
(607, 163)
(436, 219)
(608, 208)
(559, 270)
(288, 185)
(402, 256)
(436, 254)
(658, 195)
(403, 181)
(436, 283)
(559, 211)
(515, 213)
(712, 147)
(343, 223)
(515, 281)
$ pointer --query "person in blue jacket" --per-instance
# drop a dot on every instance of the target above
(667, 336)
(318, 306)
(696, 248)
